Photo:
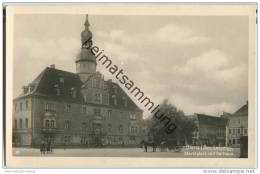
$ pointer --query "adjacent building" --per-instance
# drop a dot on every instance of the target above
(237, 126)
(75, 109)
(211, 130)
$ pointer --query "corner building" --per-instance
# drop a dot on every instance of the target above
(76, 109)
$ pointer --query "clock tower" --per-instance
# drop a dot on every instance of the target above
(85, 60)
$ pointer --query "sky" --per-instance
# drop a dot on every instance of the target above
(198, 63)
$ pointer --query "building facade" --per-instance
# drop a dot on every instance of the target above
(237, 126)
(211, 130)
(76, 109)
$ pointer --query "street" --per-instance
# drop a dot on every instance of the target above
(124, 152)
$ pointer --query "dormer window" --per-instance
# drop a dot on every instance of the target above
(61, 80)
(31, 87)
(58, 91)
(25, 89)
(114, 99)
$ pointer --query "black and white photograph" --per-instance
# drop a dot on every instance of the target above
(154, 86)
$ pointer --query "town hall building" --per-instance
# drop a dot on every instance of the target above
(76, 109)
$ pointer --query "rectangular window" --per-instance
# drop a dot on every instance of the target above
(234, 131)
(230, 131)
(47, 123)
(61, 80)
(120, 128)
(114, 99)
(84, 109)
(27, 104)
(68, 108)
(85, 98)
(21, 106)
(67, 124)
(109, 113)
(65, 139)
(105, 86)
(125, 101)
(15, 124)
(132, 117)
(234, 141)
(245, 131)
(238, 131)
(238, 141)
(58, 91)
(21, 123)
(115, 89)
(52, 124)
(69, 139)
(26, 123)
(98, 98)
(49, 107)
(109, 127)
(94, 83)
(97, 111)
(73, 93)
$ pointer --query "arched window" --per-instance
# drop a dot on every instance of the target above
(52, 123)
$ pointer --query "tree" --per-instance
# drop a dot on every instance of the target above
(184, 126)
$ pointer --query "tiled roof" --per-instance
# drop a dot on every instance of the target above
(47, 81)
(211, 120)
(242, 111)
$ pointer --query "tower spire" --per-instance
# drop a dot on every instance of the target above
(86, 22)
(85, 60)
(86, 33)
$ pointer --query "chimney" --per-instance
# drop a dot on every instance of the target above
(52, 66)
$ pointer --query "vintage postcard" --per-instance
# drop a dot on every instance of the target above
(130, 85)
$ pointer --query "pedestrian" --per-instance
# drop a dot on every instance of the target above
(48, 147)
(42, 148)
